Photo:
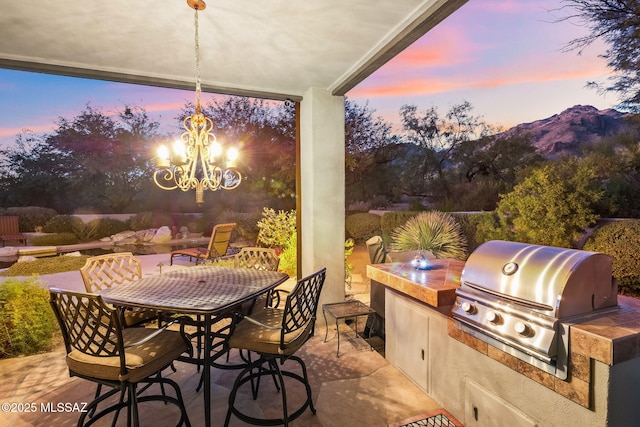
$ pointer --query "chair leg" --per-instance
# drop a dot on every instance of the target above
(252, 373)
(131, 401)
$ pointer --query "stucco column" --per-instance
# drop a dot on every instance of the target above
(322, 153)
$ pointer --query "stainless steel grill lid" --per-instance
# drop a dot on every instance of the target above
(521, 298)
(559, 282)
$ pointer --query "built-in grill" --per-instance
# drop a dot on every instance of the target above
(522, 298)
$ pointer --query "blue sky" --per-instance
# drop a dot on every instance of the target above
(503, 56)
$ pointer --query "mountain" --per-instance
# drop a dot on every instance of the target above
(567, 132)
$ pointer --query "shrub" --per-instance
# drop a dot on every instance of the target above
(30, 216)
(60, 224)
(55, 239)
(488, 226)
(416, 205)
(276, 228)
(434, 231)
(246, 224)
(621, 240)
(379, 202)
(27, 322)
(362, 226)
(469, 227)
(141, 221)
(392, 220)
(105, 227)
(48, 265)
(553, 205)
(289, 257)
(85, 232)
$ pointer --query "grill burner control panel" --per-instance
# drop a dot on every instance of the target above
(532, 334)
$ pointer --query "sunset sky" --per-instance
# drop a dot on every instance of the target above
(503, 56)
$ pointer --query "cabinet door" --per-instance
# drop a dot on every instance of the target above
(412, 342)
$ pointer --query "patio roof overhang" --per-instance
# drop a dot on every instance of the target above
(308, 51)
(274, 49)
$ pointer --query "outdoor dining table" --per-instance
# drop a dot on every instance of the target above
(205, 291)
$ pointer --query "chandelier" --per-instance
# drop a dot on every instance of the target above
(196, 160)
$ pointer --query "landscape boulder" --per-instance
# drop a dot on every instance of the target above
(163, 235)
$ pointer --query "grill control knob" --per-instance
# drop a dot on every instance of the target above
(467, 307)
(492, 317)
(523, 329)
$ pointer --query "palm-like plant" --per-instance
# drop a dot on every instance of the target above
(433, 231)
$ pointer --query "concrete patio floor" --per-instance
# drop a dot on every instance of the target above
(360, 388)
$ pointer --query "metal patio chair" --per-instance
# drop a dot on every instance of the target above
(105, 271)
(98, 349)
(276, 335)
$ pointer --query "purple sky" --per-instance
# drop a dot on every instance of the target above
(503, 56)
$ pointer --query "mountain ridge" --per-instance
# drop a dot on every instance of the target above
(567, 132)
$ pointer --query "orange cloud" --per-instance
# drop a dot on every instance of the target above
(430, 85)
(5, 132)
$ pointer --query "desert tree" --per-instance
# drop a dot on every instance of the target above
(91, 160)
(435, 139)
(617, 24)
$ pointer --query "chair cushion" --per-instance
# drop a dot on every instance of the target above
(142, 360)
(193, 252)
(252, 337)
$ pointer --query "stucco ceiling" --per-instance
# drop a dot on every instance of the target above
(266, 48)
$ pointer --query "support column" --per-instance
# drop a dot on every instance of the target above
(322, 192)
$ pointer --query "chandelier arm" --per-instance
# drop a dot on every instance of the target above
(168, 176)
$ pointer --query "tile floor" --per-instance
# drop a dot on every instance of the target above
(360, 388)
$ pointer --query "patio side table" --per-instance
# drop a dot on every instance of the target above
(346, 310)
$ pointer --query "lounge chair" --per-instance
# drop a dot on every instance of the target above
(10, 230)
(218, 245)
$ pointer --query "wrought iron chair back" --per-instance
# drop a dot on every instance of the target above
(301, 304)
(88, 324)
(257, 258)
(104, 271)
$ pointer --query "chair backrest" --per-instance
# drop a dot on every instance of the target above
(9, 225)
(220, 239)
(301, 305)
(104, 271)
(88, 325)
(257, 258)
(377, 252)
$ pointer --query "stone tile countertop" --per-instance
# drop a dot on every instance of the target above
(435, 286)
(611, 338)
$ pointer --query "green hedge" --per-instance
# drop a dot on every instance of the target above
(362, 226)
(27, 322)
(60, 224)
(55, 239)
(621, 240)
(30, 216)
(392, 220)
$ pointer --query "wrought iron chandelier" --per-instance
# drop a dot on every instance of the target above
(196, 160)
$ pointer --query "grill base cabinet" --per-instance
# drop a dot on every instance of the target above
(407, 338)
(460, 376)
(485, 409)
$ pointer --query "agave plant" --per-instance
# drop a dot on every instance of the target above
(433, 231)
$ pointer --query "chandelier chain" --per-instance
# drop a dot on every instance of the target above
(197, 45)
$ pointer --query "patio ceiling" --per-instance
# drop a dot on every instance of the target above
(264, 48)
